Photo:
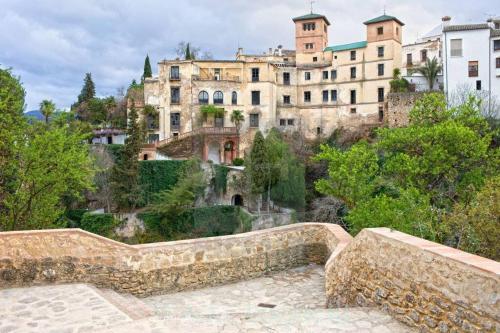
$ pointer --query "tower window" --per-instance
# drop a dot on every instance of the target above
(286, 99)
(309, 46)
(307, 76)
(315, 59)
(353, 72)
(353, 96)
(380, 68)
(380, 51)
(255, 74)
(286, 78)
(380, 30)
(380, 94)
(353, 55)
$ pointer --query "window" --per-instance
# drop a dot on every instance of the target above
(290, 122)
(217, 75)
(203, 97)
(175, 95)
(497, 25)
(174, 73)
(109, 140)
(307, 76)
(219, 121)
(380, 51)
(380, 94)
(473, 68)
(315, 59)
(285, 59)
(234, 98)
(380, 113)
(256, 97)
(456, 47)
(353, 96)
(308, 26)
(478, 85)
(409, 60)
(286, 78)
(318, 130)
(286, 99)
(498, 62)
(353, 55)
(380, 68)
(309, 46)
(255, 74)
(496, 45)
(353, 110)
(282, 122)
(380, 30)
(325, 75)
(254, 120)
(333, 95)
(325, 95)
(218, 97)
(307, 96)
(423, 55)
(175, 121)
(333, 74)
(353, 72)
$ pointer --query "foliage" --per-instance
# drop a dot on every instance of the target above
(151, 116)
(398, 83)
(157, 176)
(237, 118)
(289, 190)
(430, 71)
(256, 164)
(211, 110)
(125, 173)
(475, 225)
(100, 224)
(169, 204)
(147, 68)
(409, 178)
(88, 89)
(115, 150)
(220, 178)
(47, 108)
(238, 161)
(74, 217)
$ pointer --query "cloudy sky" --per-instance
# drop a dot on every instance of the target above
(51, 44)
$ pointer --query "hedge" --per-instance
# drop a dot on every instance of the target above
(200, 222)
(157, 176)
(100, 224)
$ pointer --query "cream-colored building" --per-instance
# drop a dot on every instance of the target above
(313, 89)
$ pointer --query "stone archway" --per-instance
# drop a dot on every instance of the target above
(214, 152)
(237, 200)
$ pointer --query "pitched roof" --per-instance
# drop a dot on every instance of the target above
(344, 47)
(383, 18)
(311, 16)
(462, 27)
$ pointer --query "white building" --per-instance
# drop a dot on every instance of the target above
(415, 55)
(109, 136)
(471, 58)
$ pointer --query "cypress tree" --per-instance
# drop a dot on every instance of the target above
(188, 53)
(257, 164)
(147, 68)
(88, 89)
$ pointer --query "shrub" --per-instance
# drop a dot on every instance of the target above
(238, 161)
(100, 224)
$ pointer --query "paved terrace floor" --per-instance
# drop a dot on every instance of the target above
(291, 301)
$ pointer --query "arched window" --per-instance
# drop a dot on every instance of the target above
(203, 97)
(234, 98)
(218, 97)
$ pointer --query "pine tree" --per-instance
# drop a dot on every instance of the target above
(125, 173)
(88, 89)
(188, 53)
(147, 68)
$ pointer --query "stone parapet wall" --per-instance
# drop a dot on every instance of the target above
(399, 106)
(72, 255)
(421, 283)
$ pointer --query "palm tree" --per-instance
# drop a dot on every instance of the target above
(237, 118)
(47, 108)
(430, 71)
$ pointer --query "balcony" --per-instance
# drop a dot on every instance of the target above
(216, 77)
(174, 77)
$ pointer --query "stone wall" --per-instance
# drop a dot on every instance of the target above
(399, 106)
(72, 255)
(420, 283)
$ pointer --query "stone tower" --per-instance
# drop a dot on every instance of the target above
(311, 37)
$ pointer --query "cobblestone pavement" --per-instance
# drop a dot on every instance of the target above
(291, 301)
(61, 308)
(302, 288)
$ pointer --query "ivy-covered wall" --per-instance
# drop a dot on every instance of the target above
(156, 176)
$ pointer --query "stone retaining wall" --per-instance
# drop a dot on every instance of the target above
(72, 255)
(421, 283)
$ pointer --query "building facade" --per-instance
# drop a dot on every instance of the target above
(471, 58)
(313, 89)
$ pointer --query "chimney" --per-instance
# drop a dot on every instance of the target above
(446, 20)
(239, 53)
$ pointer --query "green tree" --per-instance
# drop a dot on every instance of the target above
(88, 89)
(125, 173)
(237, 118)
(398, 83)
(47, 108)
(430, 71)
(256, 164)
(147, 68)
(188, 55)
